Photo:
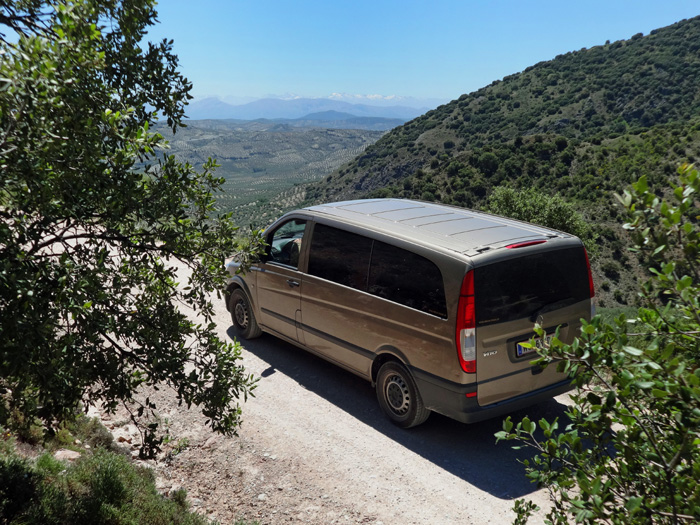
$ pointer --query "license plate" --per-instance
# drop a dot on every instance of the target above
(521, 350)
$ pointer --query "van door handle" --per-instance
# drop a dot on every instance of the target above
(292, 283)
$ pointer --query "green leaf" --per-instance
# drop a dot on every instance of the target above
(633, 503)
(632, 351)
(642, 186)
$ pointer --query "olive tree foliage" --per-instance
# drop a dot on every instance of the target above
(23, 17)
(533, 205)
(93, 224)
(630, 452)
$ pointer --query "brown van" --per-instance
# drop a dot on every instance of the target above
(431, 303)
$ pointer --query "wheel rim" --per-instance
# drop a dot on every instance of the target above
(397, 394)
(241, 313)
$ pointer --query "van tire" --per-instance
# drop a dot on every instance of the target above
(242, 316)
(399, 397)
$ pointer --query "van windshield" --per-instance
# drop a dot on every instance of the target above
(530, 285)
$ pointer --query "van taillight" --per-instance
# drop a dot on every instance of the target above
(524, 244)
(465, 337)
(591, 288)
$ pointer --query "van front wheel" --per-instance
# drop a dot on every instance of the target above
(399, 397)
(244, 323)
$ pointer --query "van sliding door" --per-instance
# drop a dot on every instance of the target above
(333, 301)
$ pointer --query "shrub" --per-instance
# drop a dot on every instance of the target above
(99, 488)
(538, 207)
(17, 486)
(611, 269)
(630, 453)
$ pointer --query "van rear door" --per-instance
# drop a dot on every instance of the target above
(551, 287)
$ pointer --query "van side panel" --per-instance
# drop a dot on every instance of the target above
(352, 327)
(279, 299)
(335, 323)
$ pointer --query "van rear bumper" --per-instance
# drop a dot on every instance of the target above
(450, 399)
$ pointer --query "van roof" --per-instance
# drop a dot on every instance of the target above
(456, 229)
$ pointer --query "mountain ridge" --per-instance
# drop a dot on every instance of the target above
(589, 95)
(272, 108)
(324, 120)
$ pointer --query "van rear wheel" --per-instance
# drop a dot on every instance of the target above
(242, 317)
(399, 397)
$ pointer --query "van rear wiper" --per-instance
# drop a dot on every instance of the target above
(551, 307)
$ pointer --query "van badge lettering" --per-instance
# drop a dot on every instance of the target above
(489, 354)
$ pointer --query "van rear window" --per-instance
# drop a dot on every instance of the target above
(528, 286)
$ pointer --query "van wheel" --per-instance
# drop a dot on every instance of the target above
(244, 323)
(399, 397)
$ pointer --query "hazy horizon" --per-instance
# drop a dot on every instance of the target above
(370, 100)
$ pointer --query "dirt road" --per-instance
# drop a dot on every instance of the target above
(315, 448)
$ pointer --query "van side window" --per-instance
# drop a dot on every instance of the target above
(406, 278)
(339, 256)
(285, 243)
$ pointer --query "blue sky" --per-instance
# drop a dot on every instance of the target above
(436, 49)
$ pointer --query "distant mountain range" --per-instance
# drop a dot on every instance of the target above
(273, 108)
(324, 120)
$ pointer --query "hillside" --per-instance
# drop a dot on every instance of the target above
(588, 95)
(583, 125)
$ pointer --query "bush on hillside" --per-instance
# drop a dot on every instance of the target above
(538, 207)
